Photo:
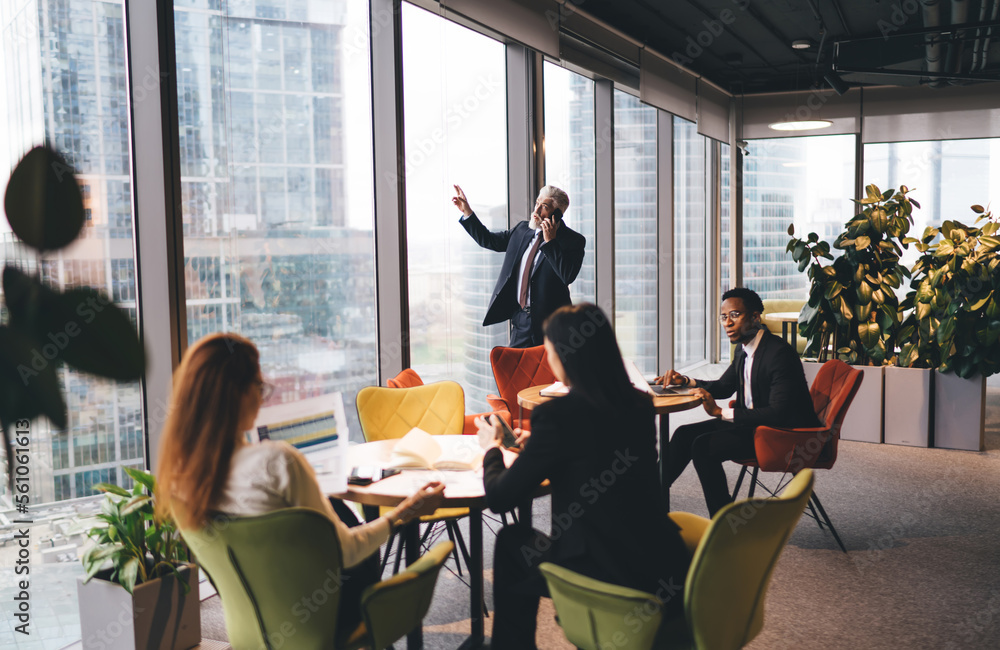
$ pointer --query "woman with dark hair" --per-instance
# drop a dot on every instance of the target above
(205, 466)
(597, 447)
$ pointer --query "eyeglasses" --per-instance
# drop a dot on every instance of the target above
(731, 316)
(266, 390)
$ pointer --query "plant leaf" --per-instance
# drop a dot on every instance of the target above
(862, 242)
(43, 201)
(136, 503)
(978, 209)
(112, 488)
(29, 385)
(145, 478)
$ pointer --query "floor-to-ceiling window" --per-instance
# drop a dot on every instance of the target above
(635, 230)
(63, 81)
(808, 181)
(725, 250)
(690, 243)
(275, 136)
(455, 123)
(569, 159)
(946, 178)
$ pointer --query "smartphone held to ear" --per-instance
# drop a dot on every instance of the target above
(508, 439)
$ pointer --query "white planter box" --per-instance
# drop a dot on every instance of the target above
(158, 616)
(864, 416)
(907, 415)
(959, 412)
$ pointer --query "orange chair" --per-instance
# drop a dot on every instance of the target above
(409, 377)
(792, 450)
(514, 370)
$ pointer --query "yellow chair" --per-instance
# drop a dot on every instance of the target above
(724, 593)
(266, 568)
(437, 408)
(778, 305)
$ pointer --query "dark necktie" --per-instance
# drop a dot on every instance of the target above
(741, 360)
(523, 296)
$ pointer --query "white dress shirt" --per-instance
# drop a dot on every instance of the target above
(749, 348)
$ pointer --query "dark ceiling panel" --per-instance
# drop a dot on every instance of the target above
(745, 46)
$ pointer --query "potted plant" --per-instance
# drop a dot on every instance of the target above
(46, 328)
(953, 324)
(852, 309)
(137, 592)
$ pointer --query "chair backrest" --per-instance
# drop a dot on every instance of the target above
(518, 368)
(727, 583)
(596, 615)
(386, 413)
(832, 392)
(407, 378)
(262, 568)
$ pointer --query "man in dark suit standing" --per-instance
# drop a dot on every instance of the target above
(543, 258)
(770, 386)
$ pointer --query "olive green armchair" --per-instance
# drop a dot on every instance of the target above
(279, 577)
(734, 556)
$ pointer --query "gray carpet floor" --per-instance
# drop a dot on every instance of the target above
(922, 568)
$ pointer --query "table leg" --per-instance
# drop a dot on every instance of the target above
(665, 457)
(795, 334)
(477, 636)
(411, 535)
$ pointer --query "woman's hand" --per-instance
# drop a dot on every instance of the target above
(490, 432)
(522, 438)
(422, 502)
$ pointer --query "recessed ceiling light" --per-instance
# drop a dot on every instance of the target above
(801, 125)
(801, 44)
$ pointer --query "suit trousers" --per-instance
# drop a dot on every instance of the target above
(356, 578)
(517, 586)
(708, 444)
(521, 335)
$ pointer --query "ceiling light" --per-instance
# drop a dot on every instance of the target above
(801, 125)
(801, 44)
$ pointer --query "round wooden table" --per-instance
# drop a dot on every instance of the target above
(789, 321)
(463, 489)
(664, 405)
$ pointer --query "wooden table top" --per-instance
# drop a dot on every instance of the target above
(783, 316)
(529, 398)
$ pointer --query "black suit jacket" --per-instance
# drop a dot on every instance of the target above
(780, 392)
(559, 265)
(608, 519)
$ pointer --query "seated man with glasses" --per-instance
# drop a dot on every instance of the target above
(770, 386)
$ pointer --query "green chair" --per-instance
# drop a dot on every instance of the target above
(734, 557)
(278, 576)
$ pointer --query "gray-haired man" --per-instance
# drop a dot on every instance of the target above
(543, 257)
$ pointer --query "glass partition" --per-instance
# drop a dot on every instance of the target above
(690, 244)
(635, 230)
(455, 125)
(275, 135)
(66, 84)
(808, 181)
(569, 159)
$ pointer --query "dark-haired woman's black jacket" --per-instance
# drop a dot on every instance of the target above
(608, 519)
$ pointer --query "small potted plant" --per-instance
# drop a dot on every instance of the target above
(140, 590)
(852, 310)
(953, 324)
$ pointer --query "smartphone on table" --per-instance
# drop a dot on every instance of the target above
(508, 439)
(368, 474)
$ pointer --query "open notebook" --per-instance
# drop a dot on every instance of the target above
(420, 450)
(640, 382)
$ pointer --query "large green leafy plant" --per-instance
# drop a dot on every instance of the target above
(44, 327)
(852, 301)
(139, 547)
(953, 322)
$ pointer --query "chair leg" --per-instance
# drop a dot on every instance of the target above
(388, 552)
(753, 482)
(454, 550)
(827, 520)
(739, 482)
(815, 515)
